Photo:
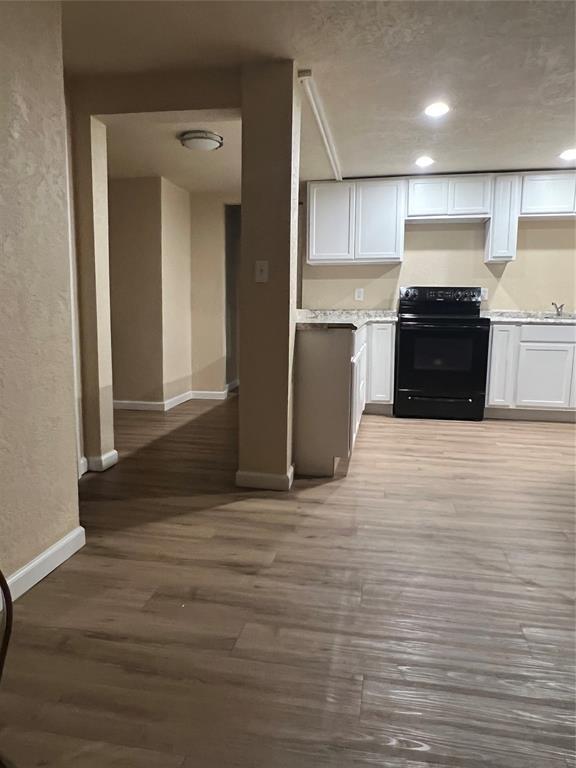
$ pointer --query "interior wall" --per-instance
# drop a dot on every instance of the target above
(270, 170)
(453, 254)
(38, 465)
(214, 92)
(176, 290)
(232, 214)
(135, 227)
(208, 260)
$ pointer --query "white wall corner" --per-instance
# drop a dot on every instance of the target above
(101, 463)
(34, 571)
(265, 480)
(82, 466)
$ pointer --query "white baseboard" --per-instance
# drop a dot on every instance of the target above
(266, 480)
(209, 394)
(82, 466)
(102, 463)
(34, 571)
(138, 405)
(166, 405)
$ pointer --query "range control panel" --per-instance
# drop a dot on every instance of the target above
(430, 293)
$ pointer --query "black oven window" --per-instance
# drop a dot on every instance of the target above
(437, 354)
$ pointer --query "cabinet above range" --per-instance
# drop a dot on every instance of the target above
(362, 222)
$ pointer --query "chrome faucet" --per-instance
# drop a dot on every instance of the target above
(559, 308)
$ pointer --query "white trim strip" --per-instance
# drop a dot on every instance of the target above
(102, 463)
(265, 480)
(34, 571)
(309, 86)
(166, 405)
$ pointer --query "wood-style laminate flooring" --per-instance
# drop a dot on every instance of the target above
(415, 613)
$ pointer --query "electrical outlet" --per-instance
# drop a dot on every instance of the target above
(484, 294)
(260, 271)
(359, 294)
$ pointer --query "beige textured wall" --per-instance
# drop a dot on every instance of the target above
(208, 259)
(453, 254)
(270, 166)
(136, 288)
(38, 470)
(176, 290)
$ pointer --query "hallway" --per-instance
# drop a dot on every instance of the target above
(416, 612)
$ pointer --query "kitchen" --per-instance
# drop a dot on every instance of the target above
(465, 304)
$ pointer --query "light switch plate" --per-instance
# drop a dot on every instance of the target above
(260, 271)
(359, 294)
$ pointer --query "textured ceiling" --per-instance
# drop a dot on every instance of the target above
(506, 68)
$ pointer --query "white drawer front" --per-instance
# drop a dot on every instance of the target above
(547, 333)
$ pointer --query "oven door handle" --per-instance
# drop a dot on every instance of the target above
(414, 326)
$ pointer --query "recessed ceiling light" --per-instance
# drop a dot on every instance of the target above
(568, 154)
(437, 109)
(203, 140)
(424, 161)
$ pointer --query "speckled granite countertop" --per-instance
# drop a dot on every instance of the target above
(342, 318)
(515, 316)
(356, 318)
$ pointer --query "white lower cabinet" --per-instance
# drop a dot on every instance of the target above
(532, 366)
(358, 392)
(502, 366)
(545, 371)
(381, 363)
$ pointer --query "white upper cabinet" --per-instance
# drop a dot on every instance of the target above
(428, 197)
(450, 196)
(470, 195)
(356, 222)
(380, 213)
(549, 193)
(331, 221)
(502, 227)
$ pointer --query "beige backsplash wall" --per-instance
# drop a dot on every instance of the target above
(453, 254)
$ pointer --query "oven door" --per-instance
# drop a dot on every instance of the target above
(442, 358)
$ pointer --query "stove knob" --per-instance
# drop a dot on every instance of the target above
(407, 293)
(458, 295)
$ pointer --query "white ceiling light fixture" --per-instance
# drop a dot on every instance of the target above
(437, 109)
(205, 141)
(424, 161)
(307, 83)
(568, 154)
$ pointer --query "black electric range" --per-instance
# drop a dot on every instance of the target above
(441, 353)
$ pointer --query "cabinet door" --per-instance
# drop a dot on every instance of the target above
(428, 197)
(502, 228)
(545, 374)
(470, 195)
(381, 363)
(379, 225)
(573, 383)
(502, 364)
(330, 221)
(549, 193)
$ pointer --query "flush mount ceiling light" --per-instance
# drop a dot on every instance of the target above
(437, 109)
(568, 154)
(205, 141)
(424, 161)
